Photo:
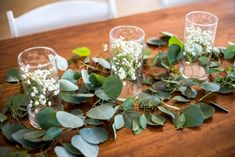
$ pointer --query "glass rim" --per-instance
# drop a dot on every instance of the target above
(130, 26)
(32, 48)
(202, 12)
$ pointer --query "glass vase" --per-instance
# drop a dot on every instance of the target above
(199, 36)
(40, 80)
(126, 57)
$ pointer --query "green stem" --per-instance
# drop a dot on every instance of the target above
(170, 106)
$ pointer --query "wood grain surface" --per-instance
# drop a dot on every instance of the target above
(215, 138)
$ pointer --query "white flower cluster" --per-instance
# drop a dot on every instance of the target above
(127, 59)
(196, 37)
(40, 84)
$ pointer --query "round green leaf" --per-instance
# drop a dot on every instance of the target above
(69, 75)
(13, 75)
(69, 120)
(193, 116)
(102, 112)
(67, 86)
(62, 152)
(82, 51)
(34, 135)
(119, 121)
(87, 149)
(61, 63)
(210, 86)
(207, 110)
(46, 118)
(94, 135)
(112, 87)
(97, 79)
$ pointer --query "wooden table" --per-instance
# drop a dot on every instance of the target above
(215, 138)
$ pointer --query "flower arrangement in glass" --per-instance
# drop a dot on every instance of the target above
(199, 36)
(127, 46)
(40, 80)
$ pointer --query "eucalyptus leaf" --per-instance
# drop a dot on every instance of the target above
(82, 51)
(102, 62)
(61, 63)
(52, 133)
(156, 42)
(229, 52)
(118, 121)
(2, 117)
(92, 121)
(101, 94)
(9, 129)
(75, 98)
(193, 116)
(85, 77)
(101, 112)
(71, 149)
(34, 135)
(95, 135)
(179, 121)
(158, 119)
(67, 86)
(149, 100)
(135, 125)
(143, 121)
(215, 70)
(69, 75)
(13, 75)
(87, 149)
(69, 120)
(62, 152)
(173, 53)
(166, 111)
(176, 41)
(180, 99)
(203, 60)
(188, 92)
(210, 86)
(112, 87)
(207, 110)
(128, 104)
(46, 118)
(128, 117)
(97, 79)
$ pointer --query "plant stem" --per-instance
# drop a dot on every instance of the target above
(170, 106)
(205, 96)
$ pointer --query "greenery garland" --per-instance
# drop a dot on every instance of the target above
(93, 85)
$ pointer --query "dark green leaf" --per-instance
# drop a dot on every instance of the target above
(203, 60)
(176, 41)
(112, 87)
(46, 118)
(128, 117)
(128, 104)
(13, 75)
(180, 99)
(179, 121)
(9, 129)
(173, 53)
(2, 117)
(229, 52)
(215, 70)
(94, 122)
(149, 100)
(156, 42)
(74, 98)
(193, 116)
(62, 152)
(166, 111)
(34, 135)
(158, 119)
(97, 79)
(52, 133)
(71, 149)
(95, 135)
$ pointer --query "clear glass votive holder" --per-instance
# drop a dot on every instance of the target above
(40, 80)
(199, 36)
(126, 57)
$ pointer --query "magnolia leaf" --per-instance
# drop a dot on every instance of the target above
(97, 79)
(67, 86)
(229, 52)
(173, 53)
(158, 119)
(112, 87)
(193, 116)
(87, 149)
(19, 137)
(166, 111)
(2, 117)
(176, 41)
(179, 121)
(13, 75)
(71, 149)
(52, 133)
(69, 75)
(207, 110)
(101, 112)
(94, 135)
(143, 121)
(9, 129)
(210, 86)
(118, 121)
(62, 152)
(156, 42)
(46, 118)
(82, 51)
(102, 62)
(61, 63)
(101, 94)
(69, 120)
(180, 99)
